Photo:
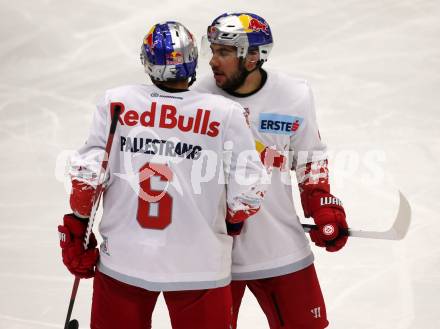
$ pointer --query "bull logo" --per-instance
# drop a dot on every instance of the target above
(257, 26)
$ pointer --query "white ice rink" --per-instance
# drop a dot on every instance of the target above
(375, 69)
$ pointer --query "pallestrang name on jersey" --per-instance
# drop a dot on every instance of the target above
(167, 148)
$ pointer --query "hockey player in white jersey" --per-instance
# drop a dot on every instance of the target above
(180, 166)
(272, 256)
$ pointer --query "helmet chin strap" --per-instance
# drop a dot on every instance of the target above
(243, 74)
(192, 79)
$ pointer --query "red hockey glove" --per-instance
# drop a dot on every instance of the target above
(81, 198)
(79, 262)
(329, 215)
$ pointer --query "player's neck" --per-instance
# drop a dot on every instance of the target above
(252, 83)
(174, 85)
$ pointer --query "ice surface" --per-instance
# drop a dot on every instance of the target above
(375, 70)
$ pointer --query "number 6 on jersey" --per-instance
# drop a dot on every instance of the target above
(154, 205)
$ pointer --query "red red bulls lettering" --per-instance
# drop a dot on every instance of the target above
(169, 119)
(167, 116)
(256, 25)
(213, 129)
(198, 120)
(205, 122)
(181, 123)
(147, 117)
(131, 118)
(112, 111)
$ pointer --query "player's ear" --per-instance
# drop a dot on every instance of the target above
(252, 59)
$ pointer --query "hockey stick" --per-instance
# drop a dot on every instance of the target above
(396, 232)
(73, 324)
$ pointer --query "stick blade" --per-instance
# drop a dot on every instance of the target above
(398, 230)
(403, 219)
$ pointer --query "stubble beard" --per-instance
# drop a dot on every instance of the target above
(235, 81)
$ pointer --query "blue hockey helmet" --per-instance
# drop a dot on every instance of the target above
(244, 31)
(169, 52)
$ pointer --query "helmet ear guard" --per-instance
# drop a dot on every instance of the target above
(264, 51)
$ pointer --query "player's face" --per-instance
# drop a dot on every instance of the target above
(225, 65)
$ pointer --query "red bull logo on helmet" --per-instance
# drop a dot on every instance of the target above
(252, 24)
(174, 58)
(257, 26)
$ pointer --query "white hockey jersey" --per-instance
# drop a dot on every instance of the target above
(283, 121)
(167, 194)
